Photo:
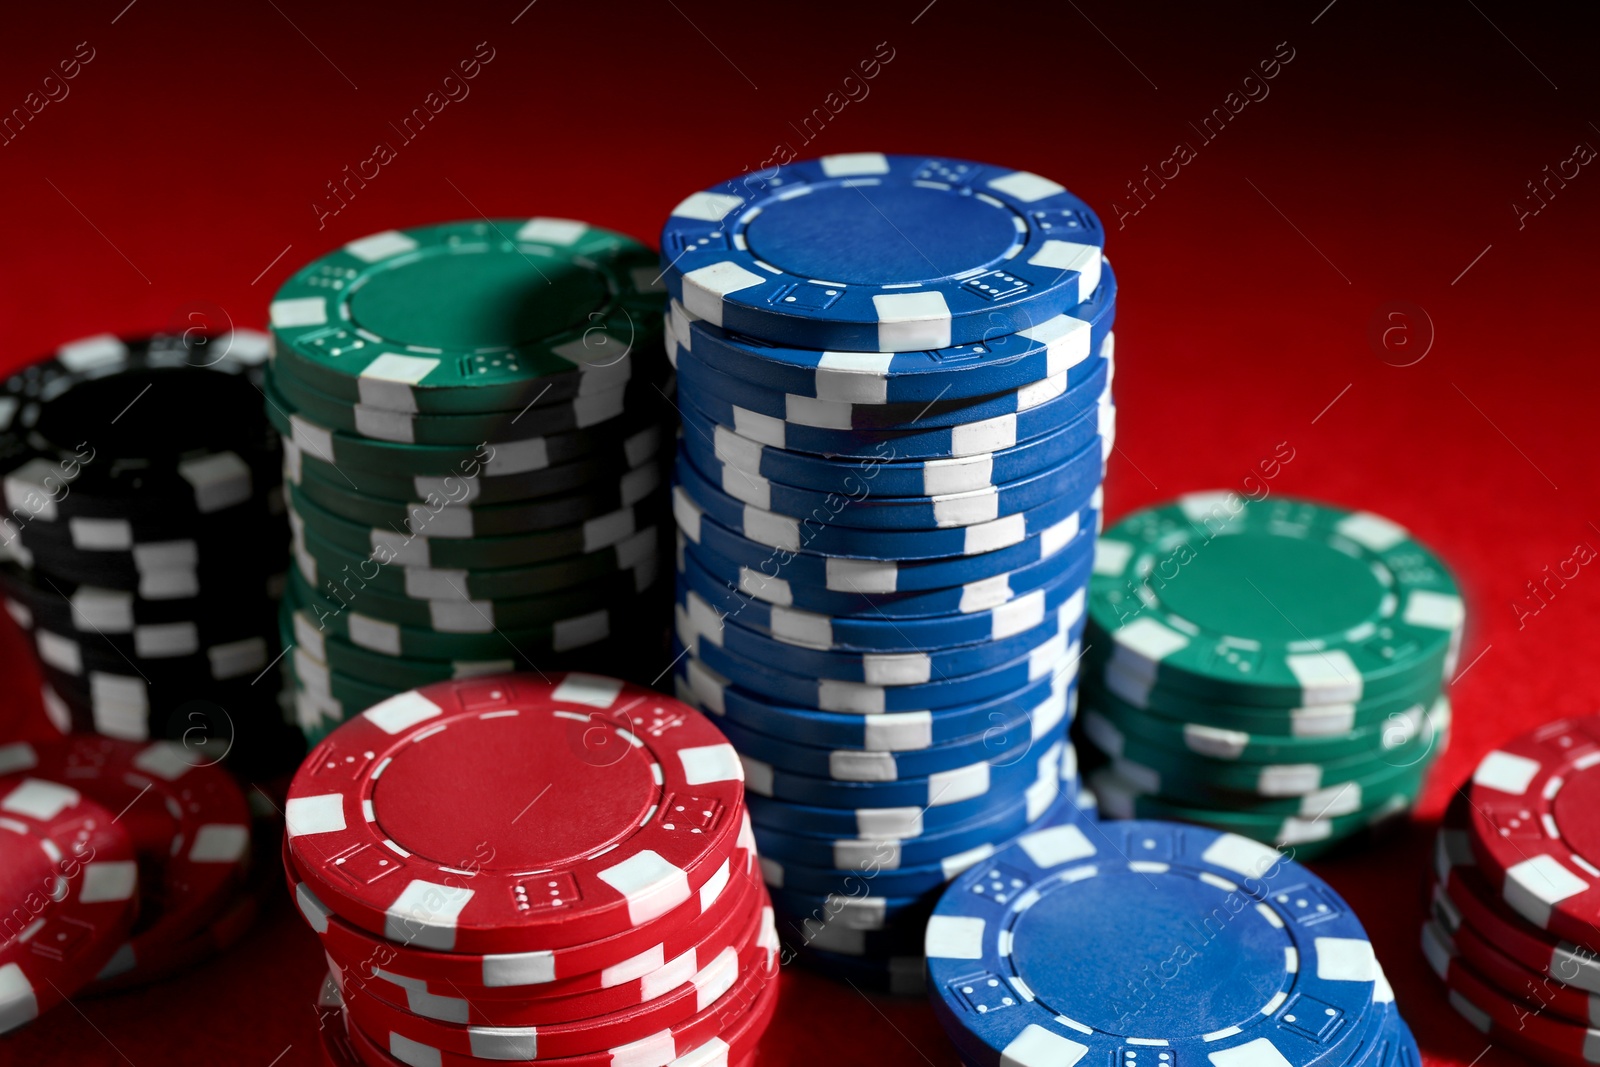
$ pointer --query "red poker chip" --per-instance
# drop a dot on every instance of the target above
(1462, 896)
(463, 1006)
(190, 827)
(1500, 1016)
(1534, 990)
(509, 813)
(1535, 820)
(605, 973)
(678, 1019)
(740, 1018)
(69, 887)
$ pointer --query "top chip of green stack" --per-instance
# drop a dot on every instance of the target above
(472, 316)
(1279, 601)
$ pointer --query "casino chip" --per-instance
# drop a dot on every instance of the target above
(472, 416)
(1030, 950)
(646, 936)
(1270, 668)
(70, 869)
(887, 490)
(145, 537)
(1512, 928)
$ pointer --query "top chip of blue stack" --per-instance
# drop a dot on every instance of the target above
(838, 252)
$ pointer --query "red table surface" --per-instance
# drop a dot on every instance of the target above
(184, 171)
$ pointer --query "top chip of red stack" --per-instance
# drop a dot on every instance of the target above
(515, 812)
(1535, 806)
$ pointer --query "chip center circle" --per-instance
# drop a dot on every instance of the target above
(881, 235)
(1298, 588)
(1574, 813)
(1188, 957)
(528, 791)
(472, 298)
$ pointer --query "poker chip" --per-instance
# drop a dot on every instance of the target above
(833, 253)
(1027, 952)
(189, 826)
(1350, 606)
(472, 416)
(680, 1019)
(1463, 897)
(72, 870)
(1301, 712)
(144, 530)
(1531, 821)
(370, 788)
(1523, 1025)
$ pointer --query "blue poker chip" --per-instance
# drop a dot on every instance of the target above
(865, 508)
(696, 378)
(933, 477)
(995, 364)
(823, 533)
(945, 787)
(838, 252)
(906, 880)
(1045, 700)
(968, 797)
(1060, 652)
(701, 627)
(772, 587)
(1238, 955)
(898, 634)
(977, 437)
(869, 854)
(1018, 733)
(870, 576)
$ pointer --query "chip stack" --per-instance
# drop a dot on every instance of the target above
(472, 415)
(1516, 900)
(1154, 944)
(1269, 667)
(515, 868)
(153, 856)
(145, 527)
(894, 379)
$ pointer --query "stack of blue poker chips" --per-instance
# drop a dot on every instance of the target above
(1154, 944)
(894, 376)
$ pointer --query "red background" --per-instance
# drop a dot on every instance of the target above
(181, 170)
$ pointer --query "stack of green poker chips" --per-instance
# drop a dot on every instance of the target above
(474, 416)
(1274, 668)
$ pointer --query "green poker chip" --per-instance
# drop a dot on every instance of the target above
(1408, 741)
(388, 545)
(476, 616)
(468, 317)
(1278, 602)
(1312, 721)
(1118, 727)
(1335, 794)
(471, 486)
(333, 568)
(390, 639)
(314, 654)
(400, 427)
(342, 451)
(442, 517)
(1308, 836)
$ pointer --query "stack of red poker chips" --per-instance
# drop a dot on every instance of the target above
(187, 826)
(1515, 925)
(517, 868)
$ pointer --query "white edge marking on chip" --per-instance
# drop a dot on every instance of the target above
(552, 231)
(1056, 845)
(1037, 1047)
(852, 164)
(321, 814)
(911, 322)
(954, 937)
(1505, 772)
(651, 885)
(1345, 959)
(401, 712)
(707, 206)
(704, 288)
(710, 763)
(591, 689)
